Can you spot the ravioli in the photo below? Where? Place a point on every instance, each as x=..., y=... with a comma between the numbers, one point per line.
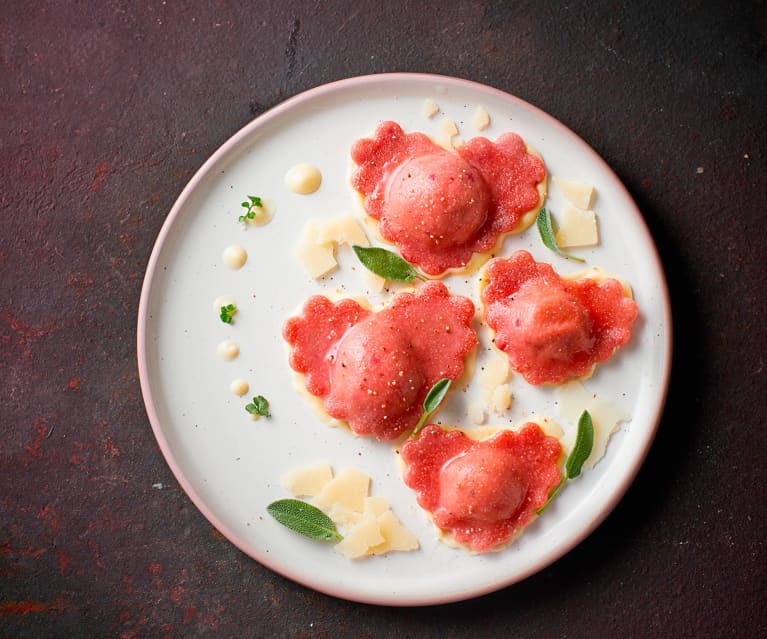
x=374, y=369
x=482, y=493
x=554, y=329
x=440, y=207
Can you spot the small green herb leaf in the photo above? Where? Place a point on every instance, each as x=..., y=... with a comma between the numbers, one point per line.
x=259, y=406
x=543, y=222
x=254, y=202
x=584, y=443
x=386, y=264
x=433, y=398
x=304, y=519
x=553, y=494
x=227, y=313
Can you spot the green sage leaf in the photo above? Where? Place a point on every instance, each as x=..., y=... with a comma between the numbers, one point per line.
x=543, y=221
x=553, y=494
x=433, y=399
x=304, y=519
x=584, y=443
x=386, y=264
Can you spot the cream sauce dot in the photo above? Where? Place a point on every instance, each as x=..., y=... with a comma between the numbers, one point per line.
x=303, y=178
x=263, y=215
x=234, y=256
x=239, y=387
x=228, y=350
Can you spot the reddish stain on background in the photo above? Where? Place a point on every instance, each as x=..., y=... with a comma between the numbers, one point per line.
x=99, y=176
x=33, y=447
x=28, y=606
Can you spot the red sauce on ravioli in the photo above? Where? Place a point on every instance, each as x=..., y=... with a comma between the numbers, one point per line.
x=438, y=206
x=373, y=370
x=482, y=492
x=554, y=329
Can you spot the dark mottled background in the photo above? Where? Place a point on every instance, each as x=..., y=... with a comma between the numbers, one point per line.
x=107, y=109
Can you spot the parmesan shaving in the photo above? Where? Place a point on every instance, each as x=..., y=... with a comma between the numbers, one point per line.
x=316, y=258
x=480, y=119
x=430, y=108
x=492, y=379
x=368, y=525
x=316, y=250
x=308, y=481
x=448, y=128
x=349, y=489
x=579, y=194
x=578, y=228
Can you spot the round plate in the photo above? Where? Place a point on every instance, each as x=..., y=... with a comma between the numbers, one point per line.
x=230, y=466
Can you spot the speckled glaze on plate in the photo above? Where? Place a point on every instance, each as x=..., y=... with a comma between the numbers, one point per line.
x=230, y=466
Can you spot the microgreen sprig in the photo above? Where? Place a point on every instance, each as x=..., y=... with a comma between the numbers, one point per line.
x=227, y=313
x=259, y=406
x=253, y=202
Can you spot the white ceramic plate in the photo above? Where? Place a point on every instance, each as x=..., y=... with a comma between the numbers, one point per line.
x=230, y=466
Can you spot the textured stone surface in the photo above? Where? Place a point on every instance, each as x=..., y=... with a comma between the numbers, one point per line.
x=107, y=110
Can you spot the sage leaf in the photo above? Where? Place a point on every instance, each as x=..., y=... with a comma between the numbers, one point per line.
x=433, y=398
x=304, y=519
x=543, y=221
x=386, y=264
x=553, y=494
x=584, y=443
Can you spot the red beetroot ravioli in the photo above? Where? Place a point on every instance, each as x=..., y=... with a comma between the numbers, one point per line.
x=554, y=329
x=373, y=370
x=482, y=492
x=440, y=206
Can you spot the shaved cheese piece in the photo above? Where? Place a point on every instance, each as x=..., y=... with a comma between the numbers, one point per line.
x=396, y=536
x=492, y=380
x=367, y=524
x=430, y=108
x=476, y=412
x=501, y=401
x=349, y=488
x=495, y=372
x=359, y=539
x=447, y=128
x=372, y=281
x=375, y=506
x=343, y=516
x=343, y=230
x=578, y=228
x=481, y=118
x=577, y=193
x=573, y=399
x=316, y=258
x=308, y=481
x=317, y=245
